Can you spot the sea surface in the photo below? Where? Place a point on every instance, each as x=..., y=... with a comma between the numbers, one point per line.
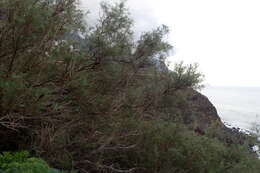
x=236, y=106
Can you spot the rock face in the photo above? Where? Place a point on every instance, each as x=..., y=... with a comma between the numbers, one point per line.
x=199, y=111
x=201, y=115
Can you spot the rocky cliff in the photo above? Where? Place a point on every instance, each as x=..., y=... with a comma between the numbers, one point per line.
x=202, y=116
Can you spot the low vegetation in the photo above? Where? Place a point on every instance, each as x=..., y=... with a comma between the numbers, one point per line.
x=96, y=98
x=22, y=163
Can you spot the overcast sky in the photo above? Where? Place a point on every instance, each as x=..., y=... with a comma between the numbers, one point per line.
x=223, y=36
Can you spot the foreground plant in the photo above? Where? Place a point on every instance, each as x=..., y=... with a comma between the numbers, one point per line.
x=21, y=162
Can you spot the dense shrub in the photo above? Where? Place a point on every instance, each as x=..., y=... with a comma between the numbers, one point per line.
x=30, y=68
x=159, y=146
x=21, y=163
x=173, y=148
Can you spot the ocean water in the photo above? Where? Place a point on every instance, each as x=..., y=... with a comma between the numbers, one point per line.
x=236, y=106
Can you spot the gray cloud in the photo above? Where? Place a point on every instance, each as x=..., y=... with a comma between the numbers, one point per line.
x=141, y=12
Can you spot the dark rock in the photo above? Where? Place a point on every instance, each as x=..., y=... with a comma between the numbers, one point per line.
x=202, y=116
x=199, y=111
x=3, y=14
